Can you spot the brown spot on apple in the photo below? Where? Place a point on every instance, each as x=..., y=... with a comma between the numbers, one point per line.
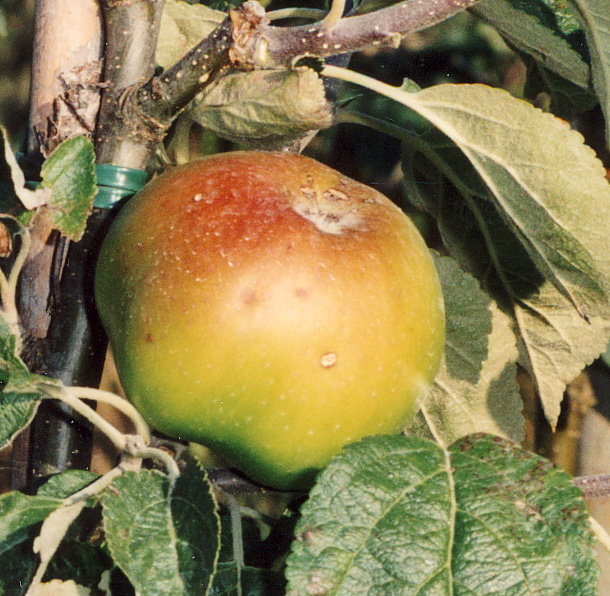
x=250, y=298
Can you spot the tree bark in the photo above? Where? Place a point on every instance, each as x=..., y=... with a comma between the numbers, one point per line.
x=67, y=48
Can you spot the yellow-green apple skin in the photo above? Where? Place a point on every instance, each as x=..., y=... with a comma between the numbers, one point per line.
x=268, y=307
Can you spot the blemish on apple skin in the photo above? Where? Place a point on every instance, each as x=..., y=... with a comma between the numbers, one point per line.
x=328, y=360
x=250, y=298
x=308, y=193
x=332, y=194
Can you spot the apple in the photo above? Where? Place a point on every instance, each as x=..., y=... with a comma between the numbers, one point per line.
x=270, y=308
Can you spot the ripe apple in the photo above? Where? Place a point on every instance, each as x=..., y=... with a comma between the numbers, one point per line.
x=270, y=308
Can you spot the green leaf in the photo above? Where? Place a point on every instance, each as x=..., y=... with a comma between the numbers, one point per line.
x=548, y=184
x=267, y=107
x=476, y=387
x=379, y=518
x=400, y=515
x=366, y=6
x=595, y=18
x=554, y=342
x=183, y=26
x=16, y=411
x=564, y=16
x=63, y=485
x=79, y=561
x=19, y=512
x=527, y=33
x=166, y=542
x=19, y=398
x=526, y=516
x=531, y=222
x=249, y=581
x=9, y=358
x=70, y=174
x=17, y=566
x=554, y=14
x=564, y=99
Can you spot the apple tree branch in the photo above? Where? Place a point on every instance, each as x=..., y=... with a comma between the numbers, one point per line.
x=246, y=40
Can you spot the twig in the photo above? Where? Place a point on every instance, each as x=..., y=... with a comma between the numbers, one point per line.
x=381, y=27
x=156, y=103
x=131, y=39
x=594, y=487
x=247, y=40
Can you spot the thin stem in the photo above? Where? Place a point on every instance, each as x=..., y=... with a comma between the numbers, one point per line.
x=131, y=445
x=315, y=14
x=335, y=13
x=24, y=251
x=236, y=533
x=345, y=74
x=8, y=287
x=594, y=486
x=432, y=427
x=117, y=402
x=97, y=486
x=65, y=396
x=173, y=471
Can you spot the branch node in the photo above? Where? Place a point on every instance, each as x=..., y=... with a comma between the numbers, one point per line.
x=247, y=21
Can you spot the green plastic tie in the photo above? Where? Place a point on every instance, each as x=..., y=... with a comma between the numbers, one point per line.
x=116, y=183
